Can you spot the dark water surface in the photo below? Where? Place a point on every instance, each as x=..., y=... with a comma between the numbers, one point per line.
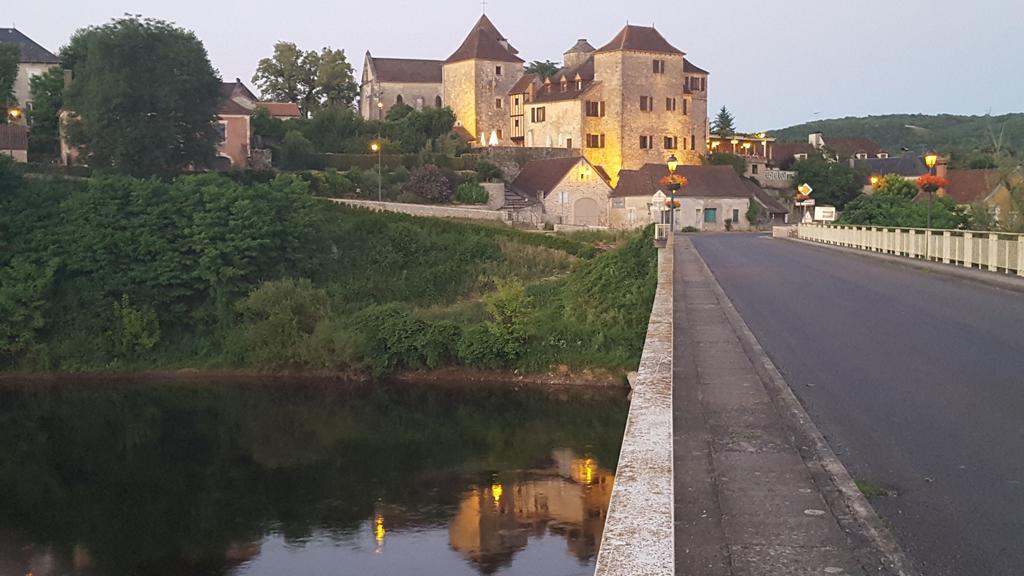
x=182, y=479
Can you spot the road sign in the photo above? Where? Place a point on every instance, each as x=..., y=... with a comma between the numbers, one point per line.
x=825, y=214
x=805, y=189
x=805, y=202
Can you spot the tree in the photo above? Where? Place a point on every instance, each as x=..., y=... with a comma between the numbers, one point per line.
x=309, y=79
x=9, y=57
x=545, y=69
x=724, y=124
x=144, y=97
x=47, y=91
x=753, y=212
x=726, y=159
x=297, y=152
x=834, y=183
x=903, y=212
x=429, y=183
x=896, y=185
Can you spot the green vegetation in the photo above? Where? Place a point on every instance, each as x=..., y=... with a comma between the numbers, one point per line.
x=9, y=57
x=205, y=271
x=834, y=183
x=946, y=133
x=144, y=97
x=724, y=123
x=47, y=91
x=726, y=159
x=870, y=490
x=309, y=79
x=892, y=204
x=543, y=69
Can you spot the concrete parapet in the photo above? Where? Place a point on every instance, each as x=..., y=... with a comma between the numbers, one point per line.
x=639, y=534
x=428, y=210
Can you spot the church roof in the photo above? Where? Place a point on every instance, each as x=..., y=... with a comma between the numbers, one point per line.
x=691, y=68
x=581, y=47
x=407, y=70
x=640, y=39
x=484, y=43
x=31, y=53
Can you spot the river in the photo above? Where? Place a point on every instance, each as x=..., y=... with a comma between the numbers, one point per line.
x=269, y=479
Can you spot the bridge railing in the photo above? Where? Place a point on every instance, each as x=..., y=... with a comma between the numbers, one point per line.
x=993, y=251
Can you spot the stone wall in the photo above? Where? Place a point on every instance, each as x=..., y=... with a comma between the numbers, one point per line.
x=561, y=127
x=631, y=212
x=426, y=210
x=419, y=95
x=639, y=530
x=459, y=90
x=511, y=159
x=687, y=214
x=491, y=88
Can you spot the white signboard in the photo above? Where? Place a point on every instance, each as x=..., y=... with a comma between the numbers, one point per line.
x=805, y=202
x=825, y=214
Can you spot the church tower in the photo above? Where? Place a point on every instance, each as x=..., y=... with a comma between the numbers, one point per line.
x=477, y=78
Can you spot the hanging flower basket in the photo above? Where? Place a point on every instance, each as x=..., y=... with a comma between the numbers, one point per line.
x=673, y=204
x=930, y=183
x=674, y=182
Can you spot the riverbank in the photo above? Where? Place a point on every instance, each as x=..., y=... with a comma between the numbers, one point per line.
x=561, y=379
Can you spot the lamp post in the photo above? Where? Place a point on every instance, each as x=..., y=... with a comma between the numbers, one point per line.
x=379, y=150
x=673, y=163
x=930, y=160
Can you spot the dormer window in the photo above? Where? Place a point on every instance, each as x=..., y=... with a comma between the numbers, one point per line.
x=579, y=84
x=883, y=155
x=565, y=85
x=862, y=156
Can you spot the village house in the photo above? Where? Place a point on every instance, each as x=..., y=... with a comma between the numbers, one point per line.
x=992, y=188
x=828, y=147
x=33, y=61
x=234, y=126
x=713, y=195
x=569, y=191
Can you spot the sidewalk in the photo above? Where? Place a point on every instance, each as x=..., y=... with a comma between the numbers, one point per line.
x=747, y=501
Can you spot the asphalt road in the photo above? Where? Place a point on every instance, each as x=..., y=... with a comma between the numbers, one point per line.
x=915, y=378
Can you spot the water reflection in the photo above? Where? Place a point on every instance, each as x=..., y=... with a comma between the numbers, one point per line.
x=253, y=481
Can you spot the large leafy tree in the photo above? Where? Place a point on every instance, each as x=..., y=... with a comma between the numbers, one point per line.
x=144, y=97
x=309, y=79
x=724, y=124
x=9, y=56
x=834, y=183
x=47, y=91
x=544, y=69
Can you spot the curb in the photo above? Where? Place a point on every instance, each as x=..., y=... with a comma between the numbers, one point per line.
x=975, y=275
x=852, y=510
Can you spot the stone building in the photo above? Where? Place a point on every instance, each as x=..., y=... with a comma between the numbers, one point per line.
x=569, y=191
x=632, y=102
x=391, y=81
x=234, y=124
x=33, y=60
x=477, y=78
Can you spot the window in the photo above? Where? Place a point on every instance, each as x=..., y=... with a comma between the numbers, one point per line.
x=686, y=84
x=516, y=101
x=686, y=108
x=399, y=100
x=862, y=156
x=646, y=103
x=222, y=131
x=517, y=122
x=499, y=134
x=693, y=142
x=735, y=216
x=497, y=70
x=568, y=143
x=703, y=84
x=659, y=66
x=497, y=103
x=670, y=104
x=595, y=109
x=883, y=155
x=710, y=215
x=437, y=102
x=538, y=114
x=595, y=140
x=565, y=85
x=646, y=142
x=753, y=168
x=800, y=156
x=671, y=142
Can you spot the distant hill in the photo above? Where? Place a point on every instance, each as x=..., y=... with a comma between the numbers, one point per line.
x=944, y=133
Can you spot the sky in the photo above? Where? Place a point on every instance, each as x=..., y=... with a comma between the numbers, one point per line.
x=774, y=63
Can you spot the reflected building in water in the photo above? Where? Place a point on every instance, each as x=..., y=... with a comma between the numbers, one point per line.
x=570, y=499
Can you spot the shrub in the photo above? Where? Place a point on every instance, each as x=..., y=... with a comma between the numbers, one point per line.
x=136, y=331
x=279, y=320
x=480, y=348
x=510, y=309
x=297, y=152
x=471, y=192
x=728, y=224
x=488, y=172
x=396, y=339
x=429, y=183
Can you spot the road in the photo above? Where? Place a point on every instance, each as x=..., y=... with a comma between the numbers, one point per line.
x=915, y=378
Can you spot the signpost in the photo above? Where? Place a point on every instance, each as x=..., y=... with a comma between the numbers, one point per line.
x=803, y=199
x=825, y=214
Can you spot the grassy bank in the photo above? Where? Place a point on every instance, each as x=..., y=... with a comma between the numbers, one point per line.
x=204, y=272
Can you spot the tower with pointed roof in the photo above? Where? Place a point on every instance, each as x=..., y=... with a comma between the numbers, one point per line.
x=477, y=78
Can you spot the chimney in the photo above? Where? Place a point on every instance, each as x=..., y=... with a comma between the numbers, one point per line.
x=942, y=168
x=68, y=76
x=817, y=140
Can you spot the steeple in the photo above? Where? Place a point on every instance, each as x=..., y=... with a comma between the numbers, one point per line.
x=485, y=42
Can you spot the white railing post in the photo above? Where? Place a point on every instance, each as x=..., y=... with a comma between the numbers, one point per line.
x=968, y=250
x=1020, y=255
x=993, y=252
x=947, y=239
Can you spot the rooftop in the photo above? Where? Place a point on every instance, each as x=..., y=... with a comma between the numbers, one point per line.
x=31, y=53
x=543, y=175
x=13, y=137
x=704, y=182
x=406, y=70
x=485, y=43
x=640, y=39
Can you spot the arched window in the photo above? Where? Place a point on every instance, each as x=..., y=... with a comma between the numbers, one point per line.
x=437, y=102
x=399, y=100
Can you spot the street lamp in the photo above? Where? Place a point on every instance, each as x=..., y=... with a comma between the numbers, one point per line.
x=673, y=163
x=14, y=113
x=378, y=150
x=930, y=160
x=874, y=181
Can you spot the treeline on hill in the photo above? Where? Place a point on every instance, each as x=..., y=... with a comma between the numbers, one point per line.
x=203, y=271
x=967, y=138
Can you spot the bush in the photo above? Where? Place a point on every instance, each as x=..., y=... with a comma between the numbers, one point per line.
x=482, y=349
x=136, y=331
x=396, y=339
x=298, y=153
x=471, y=192
x=429, y=183
x=488, y=172
x=279, y=320
x=510, y=309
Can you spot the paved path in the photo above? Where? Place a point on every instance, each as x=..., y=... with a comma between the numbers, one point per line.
x=746, y=504
x=916, y=379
